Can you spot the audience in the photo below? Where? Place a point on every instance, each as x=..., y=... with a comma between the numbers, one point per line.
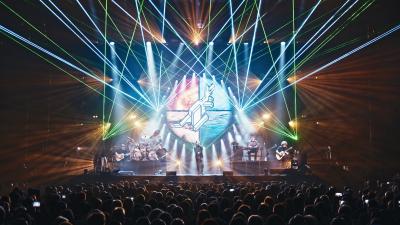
x=145, y=203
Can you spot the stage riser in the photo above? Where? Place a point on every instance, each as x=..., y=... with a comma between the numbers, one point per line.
x=245, y=168
x=141, y=168
x=249, y=168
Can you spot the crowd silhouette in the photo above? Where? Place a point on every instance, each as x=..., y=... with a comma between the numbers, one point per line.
x=240, y=203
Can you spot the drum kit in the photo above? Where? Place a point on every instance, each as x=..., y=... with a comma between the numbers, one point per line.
x=144, y=150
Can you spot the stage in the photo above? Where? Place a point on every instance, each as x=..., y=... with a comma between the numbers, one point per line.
x=235, y=168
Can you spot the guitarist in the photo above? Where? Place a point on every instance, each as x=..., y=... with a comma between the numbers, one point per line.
x=282, y=150
x=198, y=150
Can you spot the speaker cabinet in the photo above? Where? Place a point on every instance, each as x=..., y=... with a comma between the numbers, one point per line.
x=227, y=173
x=170, y=173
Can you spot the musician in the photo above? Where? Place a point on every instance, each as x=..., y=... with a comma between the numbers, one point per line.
x=252, y=148
x=282, y=153
x=237, y=151
x=162, y=154
x=283, y=147
x=199, y=157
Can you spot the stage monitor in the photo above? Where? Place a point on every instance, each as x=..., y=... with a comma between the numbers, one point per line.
x=227, y=173
x=170, y=173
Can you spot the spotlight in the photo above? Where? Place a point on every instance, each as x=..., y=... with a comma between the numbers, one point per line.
x=178, y=162
x=218, y=163
x=148, y=43
x=291, y=79
x=246, y=43
x=266, y=116
x=317, y=123
x=261, y=123
x=132, y=116
x=137, y=124
x=196, y=38
x=112, y=43
x=283, y=43
x=78, y=148
x=200, y=25
x=269, y=41
x=232, y=40
x=292, y=123
x=163, y=41
x=212, y=43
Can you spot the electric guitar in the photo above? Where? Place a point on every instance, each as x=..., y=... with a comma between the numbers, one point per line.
x=279, y=155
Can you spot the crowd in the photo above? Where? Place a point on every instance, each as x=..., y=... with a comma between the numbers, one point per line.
x=147, y=203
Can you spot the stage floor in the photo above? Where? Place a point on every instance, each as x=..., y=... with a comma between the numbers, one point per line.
x=238, y=168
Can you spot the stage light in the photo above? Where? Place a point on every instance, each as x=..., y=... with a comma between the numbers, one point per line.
x=291, y=79
x=178, y=162
x=218, y=163
x=292, y=123
x=266, y=116
x=132, y=116
x=163, y=41
x=212, y=43
x=261, y=123
x=246, y=43
x=78, y=148
x=269, y=41
x=112, y=43
x=196, y=38
x=232, y=40
x=200, y=25
x=283, y=43
x=141, y=82
x=317, y=123
x=148, y=43
x=137, y=124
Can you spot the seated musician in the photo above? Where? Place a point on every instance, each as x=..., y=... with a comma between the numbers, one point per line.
x=282, y=151
x=252, y=148
x=283, y=147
